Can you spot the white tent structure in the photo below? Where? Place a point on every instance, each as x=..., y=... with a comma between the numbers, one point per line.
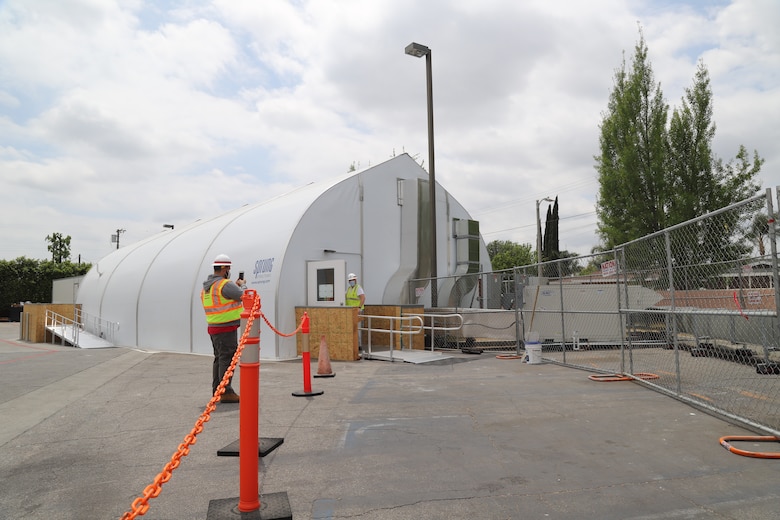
x=295, y=250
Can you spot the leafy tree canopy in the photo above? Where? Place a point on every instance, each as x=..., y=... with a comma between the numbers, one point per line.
x=505, y=254
x=652, y=176
x=25, y=279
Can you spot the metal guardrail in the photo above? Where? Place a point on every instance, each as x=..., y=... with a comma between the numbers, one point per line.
x=446, y=327
x=407, y=326
x=97, y=326
x=70, y=329
x=410, y=325
x=66, y=328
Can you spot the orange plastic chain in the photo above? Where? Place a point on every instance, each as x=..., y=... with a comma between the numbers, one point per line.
x=140, y=505
x=278, y=333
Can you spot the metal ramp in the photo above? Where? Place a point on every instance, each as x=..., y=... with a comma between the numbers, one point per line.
x=73, y=332
x=405, y=355
x=403, y=326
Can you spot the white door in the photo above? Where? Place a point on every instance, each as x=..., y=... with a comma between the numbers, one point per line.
x=326, y=283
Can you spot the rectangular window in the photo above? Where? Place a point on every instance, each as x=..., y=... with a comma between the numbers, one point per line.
x=325, y=285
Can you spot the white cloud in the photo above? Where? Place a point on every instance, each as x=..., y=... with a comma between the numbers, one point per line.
x=135, y=114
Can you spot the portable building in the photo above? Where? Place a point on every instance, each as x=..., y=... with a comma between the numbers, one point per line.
x=295, y=250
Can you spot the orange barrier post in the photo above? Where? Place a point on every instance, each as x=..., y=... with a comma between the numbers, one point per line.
x=307, y=391
x=248, y=462
x=323, y=360
x=275, y=506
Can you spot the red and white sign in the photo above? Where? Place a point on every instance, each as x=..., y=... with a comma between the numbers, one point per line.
x=609, y=268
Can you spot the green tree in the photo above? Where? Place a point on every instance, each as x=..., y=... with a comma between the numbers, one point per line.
x=759, y=229
x=550, y=244
x=699, y=181
x=566, y=264
x=505, y=254
x=652, y=178
x=631, y=166
x=25, y=279
x=702, y=183
x=59, y=247
x=599, y=255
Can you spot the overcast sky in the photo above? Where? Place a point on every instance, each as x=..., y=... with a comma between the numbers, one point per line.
x=134, y=114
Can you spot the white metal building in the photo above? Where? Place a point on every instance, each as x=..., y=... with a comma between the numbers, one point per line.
x=295, y=250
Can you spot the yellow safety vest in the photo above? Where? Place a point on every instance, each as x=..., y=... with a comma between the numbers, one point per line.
x=219, y=310
x=353, y=299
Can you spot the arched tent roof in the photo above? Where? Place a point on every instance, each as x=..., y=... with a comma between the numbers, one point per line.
x=152, y=288
x=158, y=280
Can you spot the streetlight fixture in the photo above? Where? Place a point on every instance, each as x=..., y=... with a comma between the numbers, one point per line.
x=539, y=239
x=418, y=51
x=167, y=226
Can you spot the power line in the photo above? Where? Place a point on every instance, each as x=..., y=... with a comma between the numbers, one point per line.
x=580, y=215
x=532, y=199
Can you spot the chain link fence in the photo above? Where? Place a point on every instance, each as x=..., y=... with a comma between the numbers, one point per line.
x=690, y=311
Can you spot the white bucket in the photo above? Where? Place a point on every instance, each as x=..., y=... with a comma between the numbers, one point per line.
x=534, y=352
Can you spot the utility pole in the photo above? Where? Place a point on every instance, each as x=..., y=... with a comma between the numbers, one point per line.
x=115, y=238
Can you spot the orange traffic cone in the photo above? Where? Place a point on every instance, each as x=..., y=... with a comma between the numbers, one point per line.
x=323, y=360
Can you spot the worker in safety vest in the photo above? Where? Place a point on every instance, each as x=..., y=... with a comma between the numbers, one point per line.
x=221, y=300
x=355, y=297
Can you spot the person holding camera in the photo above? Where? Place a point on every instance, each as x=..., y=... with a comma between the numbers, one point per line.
x=221, y=300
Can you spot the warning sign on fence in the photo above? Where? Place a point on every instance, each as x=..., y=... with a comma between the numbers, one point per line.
x=609, y=268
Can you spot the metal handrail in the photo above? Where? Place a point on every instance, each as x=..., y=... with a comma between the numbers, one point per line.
x=433, y=328
x=81, y=321
x=96, y=325
x=408, y=326
x=54, y=321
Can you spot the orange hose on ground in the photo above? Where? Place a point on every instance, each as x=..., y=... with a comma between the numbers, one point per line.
x=607, y=378
x=751, y=438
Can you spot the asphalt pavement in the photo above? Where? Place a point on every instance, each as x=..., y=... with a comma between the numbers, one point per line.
x=84, y=432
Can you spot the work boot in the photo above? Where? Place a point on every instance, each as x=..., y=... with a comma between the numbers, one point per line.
x=229, y=397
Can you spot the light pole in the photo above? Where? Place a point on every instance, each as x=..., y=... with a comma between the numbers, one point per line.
x=418, y=51
x=539, y=239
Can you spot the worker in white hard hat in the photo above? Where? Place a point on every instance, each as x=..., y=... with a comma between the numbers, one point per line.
x=355, y=297
x=221, y=300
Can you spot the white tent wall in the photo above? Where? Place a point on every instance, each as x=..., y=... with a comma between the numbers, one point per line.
x=357, y=220
x=152, y=288
x=257, y=244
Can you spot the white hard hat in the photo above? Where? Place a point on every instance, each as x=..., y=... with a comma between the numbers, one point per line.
x=222, y=260
x=352, y=276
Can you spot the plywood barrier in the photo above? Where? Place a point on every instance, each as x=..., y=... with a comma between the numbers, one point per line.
x=339, y=325
x=34, y=319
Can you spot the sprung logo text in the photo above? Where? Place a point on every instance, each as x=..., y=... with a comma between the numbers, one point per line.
x=265, y=265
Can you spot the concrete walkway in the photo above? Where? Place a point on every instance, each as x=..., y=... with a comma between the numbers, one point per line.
x=83, y=432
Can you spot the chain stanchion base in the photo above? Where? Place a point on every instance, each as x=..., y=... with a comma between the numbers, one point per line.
x=273, y=506
x=265, y=446
x=308, y=394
